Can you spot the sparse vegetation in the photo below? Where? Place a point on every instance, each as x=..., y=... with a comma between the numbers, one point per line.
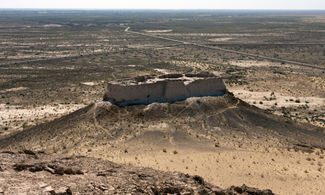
x=68, y=67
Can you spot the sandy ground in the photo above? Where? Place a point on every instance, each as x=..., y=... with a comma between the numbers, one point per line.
x=14, y=89
x=265, y=163
x=227, y=34
x=52, y=25
x=283, y=171
x=278, y=100
x=16, y=118
x=221, y=39
x=256, y=63
x=164, y=71
x=139, y=46
x=301, y=105
x=91, y=83
x=158, y=31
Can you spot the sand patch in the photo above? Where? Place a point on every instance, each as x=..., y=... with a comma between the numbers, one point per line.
x=17, y=118
x=14, y=89
x=221, y=39
x=164, y=71
x=159, y=126
x=277, y=99
x=315, y=19
x=89, y=83
x=52, y=26
x=158, y=31
x=255, y=63
x=139, y=46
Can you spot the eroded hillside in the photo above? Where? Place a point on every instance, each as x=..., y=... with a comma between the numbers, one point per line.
x=207, y=136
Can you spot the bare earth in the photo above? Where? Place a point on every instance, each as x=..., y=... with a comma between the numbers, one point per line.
x=53, y=72
x=27, y=172
x=198, y=136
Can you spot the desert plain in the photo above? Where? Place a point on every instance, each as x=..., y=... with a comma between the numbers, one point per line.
x=268, y=132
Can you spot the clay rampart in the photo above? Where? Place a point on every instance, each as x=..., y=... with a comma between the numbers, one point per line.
x=164, y=88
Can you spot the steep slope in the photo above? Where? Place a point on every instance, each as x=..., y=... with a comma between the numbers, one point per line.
x=182, y=123
x=222, y=139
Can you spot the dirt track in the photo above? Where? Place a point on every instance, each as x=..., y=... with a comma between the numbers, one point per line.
x=231, y=51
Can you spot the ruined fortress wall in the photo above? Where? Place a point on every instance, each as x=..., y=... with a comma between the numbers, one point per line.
x=167, y=90
x=135, y=93
x=175, y=91
x=206, y=87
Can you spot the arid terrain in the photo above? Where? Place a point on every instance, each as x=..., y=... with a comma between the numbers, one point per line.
x=26, y=172
x=268, y=132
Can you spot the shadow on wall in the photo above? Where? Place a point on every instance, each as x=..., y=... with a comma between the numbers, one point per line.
x=165, y=88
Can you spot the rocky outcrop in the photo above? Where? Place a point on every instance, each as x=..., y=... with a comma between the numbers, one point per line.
x=164, y=88
x=96, y=176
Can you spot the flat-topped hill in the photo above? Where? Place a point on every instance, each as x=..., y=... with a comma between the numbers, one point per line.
x=165, y=88
x=222, y=138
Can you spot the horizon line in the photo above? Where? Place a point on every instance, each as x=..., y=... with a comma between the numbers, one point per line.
x=171, y=9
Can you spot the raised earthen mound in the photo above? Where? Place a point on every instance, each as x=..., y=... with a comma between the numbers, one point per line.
x=183, y=131
x=34, y=173
x=184, y=122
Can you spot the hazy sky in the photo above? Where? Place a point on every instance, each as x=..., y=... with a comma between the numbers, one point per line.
x=166, y=4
